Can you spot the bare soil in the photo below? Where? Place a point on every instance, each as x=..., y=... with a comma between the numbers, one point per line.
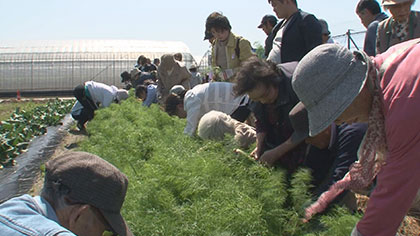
x=409, y=227
x=70, y=141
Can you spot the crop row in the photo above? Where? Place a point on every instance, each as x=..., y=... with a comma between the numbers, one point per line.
x=23, y=126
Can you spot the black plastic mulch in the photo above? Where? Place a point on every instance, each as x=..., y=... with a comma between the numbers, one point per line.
x=19, y=179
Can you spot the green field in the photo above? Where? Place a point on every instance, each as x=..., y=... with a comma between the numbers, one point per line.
x=186, y=186
x=24, y=121
x=7, y=108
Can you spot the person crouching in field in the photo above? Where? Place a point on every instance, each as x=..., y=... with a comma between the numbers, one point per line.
x=82, y=195
x=194, y=103
x=336, y=85
x=330, y=153
x=215, y=125
x=269, y=87
x=170, y=73
x=92, y=95
x=147, y=93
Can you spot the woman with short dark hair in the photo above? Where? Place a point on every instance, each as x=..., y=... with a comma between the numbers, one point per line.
x=269, y=87
x=229, y=50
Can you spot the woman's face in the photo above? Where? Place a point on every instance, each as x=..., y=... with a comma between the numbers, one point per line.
x=401, y=11
x=221, y=34
x=265, y=94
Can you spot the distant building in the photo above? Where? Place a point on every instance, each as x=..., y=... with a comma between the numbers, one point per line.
x=62, y=65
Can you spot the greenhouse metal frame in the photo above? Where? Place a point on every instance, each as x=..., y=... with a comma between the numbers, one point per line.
x=59, y=66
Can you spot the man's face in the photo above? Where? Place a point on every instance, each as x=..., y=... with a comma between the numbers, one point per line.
x=220, y=34
x=266, y=27
x=279, y=7
x=86, y=220
x=366, y=17
x=401, y=12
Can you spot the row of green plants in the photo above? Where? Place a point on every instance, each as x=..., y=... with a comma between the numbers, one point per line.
x=23, y=125
x=180, y=185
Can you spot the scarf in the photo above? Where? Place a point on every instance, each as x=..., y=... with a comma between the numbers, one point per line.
x=371, y=153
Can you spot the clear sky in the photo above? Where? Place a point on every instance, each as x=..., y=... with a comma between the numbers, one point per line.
x=182, y=20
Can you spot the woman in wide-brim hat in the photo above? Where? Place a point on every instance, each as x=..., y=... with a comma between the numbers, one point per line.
x=403, y=25
x=338, y=86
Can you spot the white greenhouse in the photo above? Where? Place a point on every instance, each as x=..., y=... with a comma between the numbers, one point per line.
x=59, y=66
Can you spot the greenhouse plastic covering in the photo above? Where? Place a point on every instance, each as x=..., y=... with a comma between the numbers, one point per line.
x=62, y=65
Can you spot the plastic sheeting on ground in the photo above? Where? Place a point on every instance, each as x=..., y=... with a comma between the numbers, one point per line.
x=19, y=179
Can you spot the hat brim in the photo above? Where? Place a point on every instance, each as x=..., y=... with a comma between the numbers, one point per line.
x=261, y=25
x=391, y=3
x=117, y=222
x=327, y=110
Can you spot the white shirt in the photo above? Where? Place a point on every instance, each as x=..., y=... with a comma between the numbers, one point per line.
x=102, y=93
x=206, y=97
x=275, y=53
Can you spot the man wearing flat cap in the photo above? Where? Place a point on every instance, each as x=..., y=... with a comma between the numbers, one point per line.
x=270, y=28
x=403, y=25
x=82, y=195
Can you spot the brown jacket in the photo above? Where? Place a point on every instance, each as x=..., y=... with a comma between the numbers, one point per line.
x=385, y=37
x=170, y=73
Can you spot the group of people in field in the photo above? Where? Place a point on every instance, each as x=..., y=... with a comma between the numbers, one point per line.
x=350, y=117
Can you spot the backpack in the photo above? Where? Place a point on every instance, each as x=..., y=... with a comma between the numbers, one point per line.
x=237, y=50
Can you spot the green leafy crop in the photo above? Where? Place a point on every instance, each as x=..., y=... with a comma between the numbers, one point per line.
x=186, y=186
x=23, y=126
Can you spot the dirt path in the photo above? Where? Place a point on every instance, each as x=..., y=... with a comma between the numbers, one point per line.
x=70, y=141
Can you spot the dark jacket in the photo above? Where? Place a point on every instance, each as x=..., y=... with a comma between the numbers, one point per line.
x=273, y=119
x=302, y=34
x=270, y=38
x=329, y=165
x=370, y=38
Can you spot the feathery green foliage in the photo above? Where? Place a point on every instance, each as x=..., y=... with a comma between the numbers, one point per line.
x=186, y=186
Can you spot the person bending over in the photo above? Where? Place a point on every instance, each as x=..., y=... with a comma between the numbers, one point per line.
x=82, y=195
